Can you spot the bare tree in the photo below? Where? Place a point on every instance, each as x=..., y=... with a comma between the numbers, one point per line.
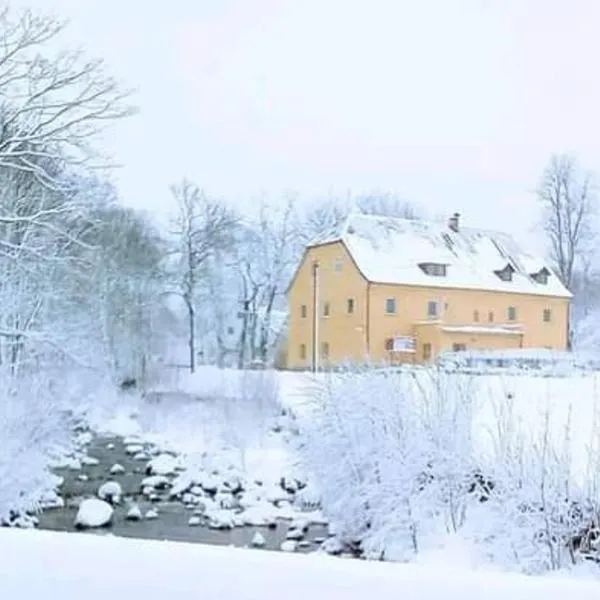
x=387, y=205
x=202, y=228
x=52, y=104
x=268, y=252
x=569, y=201
x=568, y=197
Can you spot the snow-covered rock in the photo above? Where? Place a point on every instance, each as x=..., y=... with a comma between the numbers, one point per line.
x=132, y=440
x=260, y=515
x=134, y=513
x=82, y=477
x=93, y=513
x=117, y=469
x=157, y=482
x=89, y=461
x=289, y=546
x=196, y=490
x=133, y=449
x=221, y=519
x=110, y=446
x=332, y=546
x=163, y=464
x=190, y=499
x=209, y=483
x=258, y=540
x=227, y=501
x=72, y=463
x=111, y=491
x=181, y=484
x=51, y=499
x=140, y=456
x=195, y=521
x=151, y=514
x=294, y=534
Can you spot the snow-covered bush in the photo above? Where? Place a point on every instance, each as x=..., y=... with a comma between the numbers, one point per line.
x=34, y=425
x=407, y=460
x=393, y=456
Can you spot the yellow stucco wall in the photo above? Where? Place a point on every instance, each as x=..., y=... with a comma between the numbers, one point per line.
x=343, y=332
x=354, y=336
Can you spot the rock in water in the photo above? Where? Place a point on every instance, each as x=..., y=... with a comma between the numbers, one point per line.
x=117, y=469
x=151, y=515
x=93, y=513
x=289, y=546
x=258, y=541
x=89, y=461
x=134, y=513
x=110, y=491
x=163, y=464
x=195, y=521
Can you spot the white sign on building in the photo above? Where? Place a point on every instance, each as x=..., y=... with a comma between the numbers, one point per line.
x=404, y=344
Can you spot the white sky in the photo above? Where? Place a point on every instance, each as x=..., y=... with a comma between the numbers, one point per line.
x=453, y=104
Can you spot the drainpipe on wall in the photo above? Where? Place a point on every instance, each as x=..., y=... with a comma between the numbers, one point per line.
x=315, y=324
x=368, y=321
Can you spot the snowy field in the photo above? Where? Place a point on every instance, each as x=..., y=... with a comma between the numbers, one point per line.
x=72, y=567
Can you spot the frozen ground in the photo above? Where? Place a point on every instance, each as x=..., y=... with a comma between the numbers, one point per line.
x=71, y=567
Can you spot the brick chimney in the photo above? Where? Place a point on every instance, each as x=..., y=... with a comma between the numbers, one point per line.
x=453, y=222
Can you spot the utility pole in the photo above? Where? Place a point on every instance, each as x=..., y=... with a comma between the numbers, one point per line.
x=315, y=324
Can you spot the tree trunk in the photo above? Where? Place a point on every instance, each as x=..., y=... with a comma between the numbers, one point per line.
x=192, y=333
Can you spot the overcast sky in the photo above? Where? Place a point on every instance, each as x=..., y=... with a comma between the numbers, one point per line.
x=453, y=104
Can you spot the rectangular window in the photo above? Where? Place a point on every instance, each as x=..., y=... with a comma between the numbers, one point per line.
x=476, y=316
x=432, y=308
x=325, y=350
x=389, y=344
x=459, y=347
x=512, y=313
x=491, y=316
x=547, y=315
x=303, y=311
x=390, y=306
x=426, y=351
x=338, y=265
x=326, y=309
x=302, y=351
x=350, y=306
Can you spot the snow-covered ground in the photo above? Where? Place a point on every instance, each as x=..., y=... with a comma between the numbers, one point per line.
x=72, y=567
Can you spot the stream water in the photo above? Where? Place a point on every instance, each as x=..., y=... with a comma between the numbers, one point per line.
x=172, y=522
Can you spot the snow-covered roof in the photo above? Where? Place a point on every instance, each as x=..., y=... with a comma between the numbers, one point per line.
x=389, y=250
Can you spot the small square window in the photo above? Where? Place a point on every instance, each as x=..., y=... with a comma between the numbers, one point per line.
x=325, y=350
x=326, y=309
x=426, y=351
x=389, y=344
x=491, y=316
x=432, y=308
x=512, y=313
x=390, y=306
x=303, y=311
x=350, y=305
x=547, y=315
x=476, y=316
x=302, y=351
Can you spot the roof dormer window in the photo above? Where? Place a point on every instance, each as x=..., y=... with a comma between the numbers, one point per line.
x=506, y=274
x=541, y=276
x=434, y=269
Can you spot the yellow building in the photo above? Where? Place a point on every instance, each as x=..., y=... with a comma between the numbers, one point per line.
x=387, y=289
